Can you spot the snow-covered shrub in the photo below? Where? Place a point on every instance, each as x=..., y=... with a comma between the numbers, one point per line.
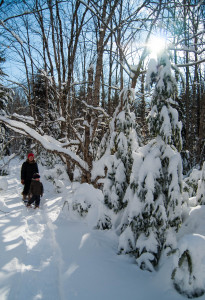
x=190, y=184
x=58, y=176
x=105, y=220
x=189, y=266
x=86, y=202
x=200, y=195
x=80, y=200
x=81, y=207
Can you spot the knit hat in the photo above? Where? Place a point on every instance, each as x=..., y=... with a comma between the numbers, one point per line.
x=36, y=175
x=30, y=154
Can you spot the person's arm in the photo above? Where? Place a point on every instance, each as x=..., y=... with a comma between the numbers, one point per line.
x=23, y=173
x=42, y=190
x=37, y=168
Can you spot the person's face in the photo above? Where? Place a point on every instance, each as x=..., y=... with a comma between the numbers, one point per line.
x=30, y=158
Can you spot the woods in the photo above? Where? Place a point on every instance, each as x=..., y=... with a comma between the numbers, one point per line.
x=115, y=91
x=73, y=58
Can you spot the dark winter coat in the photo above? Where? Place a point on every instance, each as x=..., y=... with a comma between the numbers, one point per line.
x=36, y=188
x=28, y=169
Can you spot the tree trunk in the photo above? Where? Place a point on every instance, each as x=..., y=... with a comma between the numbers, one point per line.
x=202, y=131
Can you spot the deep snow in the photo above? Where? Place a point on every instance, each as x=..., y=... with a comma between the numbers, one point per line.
x=52, y=254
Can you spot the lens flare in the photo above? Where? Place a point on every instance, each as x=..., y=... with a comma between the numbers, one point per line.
x=156, y=45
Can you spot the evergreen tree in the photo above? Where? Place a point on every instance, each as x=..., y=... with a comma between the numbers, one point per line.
x=163, y=118
x=121, y=144
x=154, y=210
x=44, y=104
x=164, y=124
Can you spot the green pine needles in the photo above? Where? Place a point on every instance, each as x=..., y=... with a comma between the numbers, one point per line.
x=153, y=213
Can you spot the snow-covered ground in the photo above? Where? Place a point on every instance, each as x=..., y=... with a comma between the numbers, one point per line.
x=51, y=254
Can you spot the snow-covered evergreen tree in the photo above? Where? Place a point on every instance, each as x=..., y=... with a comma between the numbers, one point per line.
x=163, y=118
x=164, y=124
x=154, y=210
x=45, y=109
x=200, y=196
x=121, y=144
x=188, y=272
x=144, y=220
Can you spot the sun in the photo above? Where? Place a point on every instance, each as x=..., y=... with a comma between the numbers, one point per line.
x=156, y=44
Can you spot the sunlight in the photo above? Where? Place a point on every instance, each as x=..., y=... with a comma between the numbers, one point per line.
x=84, y=238
x=73, y=267
x=156, y=44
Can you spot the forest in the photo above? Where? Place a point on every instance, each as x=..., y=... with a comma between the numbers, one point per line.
x=64, y=63
x=115, y=91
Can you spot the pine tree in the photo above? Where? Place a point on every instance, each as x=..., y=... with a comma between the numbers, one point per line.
x=44, y=104
x=144, y=222
x=164, y=124
x=163, y=118
x=154, y=211
x=121, y=144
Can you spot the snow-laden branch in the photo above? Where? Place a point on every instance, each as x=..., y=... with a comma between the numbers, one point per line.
x=192, y=64
x=47, y=142
x=191, y=37
x=175, y=68
x=185, y=49
x=17, y=37
x=20, y=85
x=96, y=108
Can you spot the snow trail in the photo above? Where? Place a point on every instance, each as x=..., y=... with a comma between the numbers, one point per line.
x=25, y=233
x=53, y=254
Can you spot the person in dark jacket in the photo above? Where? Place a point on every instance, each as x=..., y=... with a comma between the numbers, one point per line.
x=28, y=169
x=36, y=190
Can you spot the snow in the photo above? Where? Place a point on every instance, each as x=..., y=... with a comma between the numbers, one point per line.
x=152, y=68
x=47, y=142
x=3, y=183
x=53, y=253
x=191, y=281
